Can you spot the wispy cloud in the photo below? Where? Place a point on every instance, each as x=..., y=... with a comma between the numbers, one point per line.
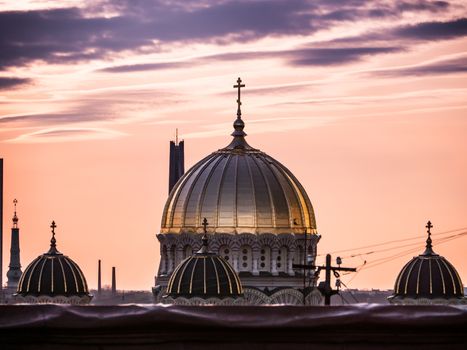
x=12, y=82
x=66, y=134
x=445, y=66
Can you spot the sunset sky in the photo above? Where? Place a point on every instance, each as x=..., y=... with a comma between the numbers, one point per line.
x=364, y=101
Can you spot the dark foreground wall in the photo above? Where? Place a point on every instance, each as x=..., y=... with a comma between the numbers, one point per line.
x=363, y=326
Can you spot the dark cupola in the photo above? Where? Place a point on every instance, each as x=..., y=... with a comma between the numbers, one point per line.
x=53, y=278
x=428, y=279
x=204, y=275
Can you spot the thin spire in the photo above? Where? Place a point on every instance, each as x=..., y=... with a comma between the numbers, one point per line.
x=176, y=136
x=15, y=218
x=53, y=246
x=429, y=246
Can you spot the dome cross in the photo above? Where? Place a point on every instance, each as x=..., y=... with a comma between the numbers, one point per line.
x=239, y=102
x=429, y=246
x=53, y=240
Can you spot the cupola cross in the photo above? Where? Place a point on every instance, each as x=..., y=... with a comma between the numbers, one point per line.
x=205, y=225
x=239, y=86
x=429, y=226
x=53, y=228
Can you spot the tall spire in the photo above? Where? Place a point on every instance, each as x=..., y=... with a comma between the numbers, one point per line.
x=15, y=218
x=53, y=246
x=14, y=268
x=429, y=246
x=239, y=135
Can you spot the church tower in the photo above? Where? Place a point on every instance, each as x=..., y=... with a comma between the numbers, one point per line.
x=14, y=271
x=177, y=161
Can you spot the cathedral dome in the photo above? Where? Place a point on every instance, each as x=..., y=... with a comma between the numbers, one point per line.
x=53, y=277
x=428, y=278
x=239, y=189
x=204, y=275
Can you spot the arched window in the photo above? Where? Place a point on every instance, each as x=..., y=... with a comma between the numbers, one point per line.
x=226, y=253
x=265, y=259
x=245, y=258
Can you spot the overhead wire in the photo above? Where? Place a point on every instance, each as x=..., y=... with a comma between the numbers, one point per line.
x=389, y=258
x=394, y=241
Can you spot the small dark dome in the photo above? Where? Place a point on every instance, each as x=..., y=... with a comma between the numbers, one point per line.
x=428, y=276
x=204, y=275
x=53, y=274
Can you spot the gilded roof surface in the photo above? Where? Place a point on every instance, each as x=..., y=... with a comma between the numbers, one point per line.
x=239, y=189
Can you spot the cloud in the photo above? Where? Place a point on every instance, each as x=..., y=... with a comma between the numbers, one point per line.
x=66, y=135
x=305, y=56
x=145, y=67
x=101, y=29
x=447, y=66
x=12, y=82
x=70, y=34
x=335, y=56
x=56, y=117
x=433, y=30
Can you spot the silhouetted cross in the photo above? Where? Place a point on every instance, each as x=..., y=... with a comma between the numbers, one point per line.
x=53, y=228
x=205, y=225
x=239, y=86
x=429, y=226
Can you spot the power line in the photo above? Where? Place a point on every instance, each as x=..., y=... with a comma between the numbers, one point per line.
x=394, y=241
x=386, y=259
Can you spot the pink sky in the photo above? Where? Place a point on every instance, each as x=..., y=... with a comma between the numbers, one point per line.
x=365, y=102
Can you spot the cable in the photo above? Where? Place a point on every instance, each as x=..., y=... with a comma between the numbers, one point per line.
x=394, y=241
x=439, y=241
x=350, y=292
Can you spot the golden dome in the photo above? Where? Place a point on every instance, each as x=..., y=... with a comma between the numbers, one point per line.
x=239, y=189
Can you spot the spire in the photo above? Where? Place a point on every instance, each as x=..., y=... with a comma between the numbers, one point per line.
x=204, y=247
x=15, y=218
x=239, y=135
x=14, y=268
x=53, y=247
x=429, y=246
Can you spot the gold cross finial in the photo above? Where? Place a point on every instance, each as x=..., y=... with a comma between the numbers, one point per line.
x=239, y=102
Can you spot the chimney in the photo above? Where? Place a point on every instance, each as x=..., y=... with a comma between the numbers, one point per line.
x=114, y=281
x=177, y=161
x=99, y=278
